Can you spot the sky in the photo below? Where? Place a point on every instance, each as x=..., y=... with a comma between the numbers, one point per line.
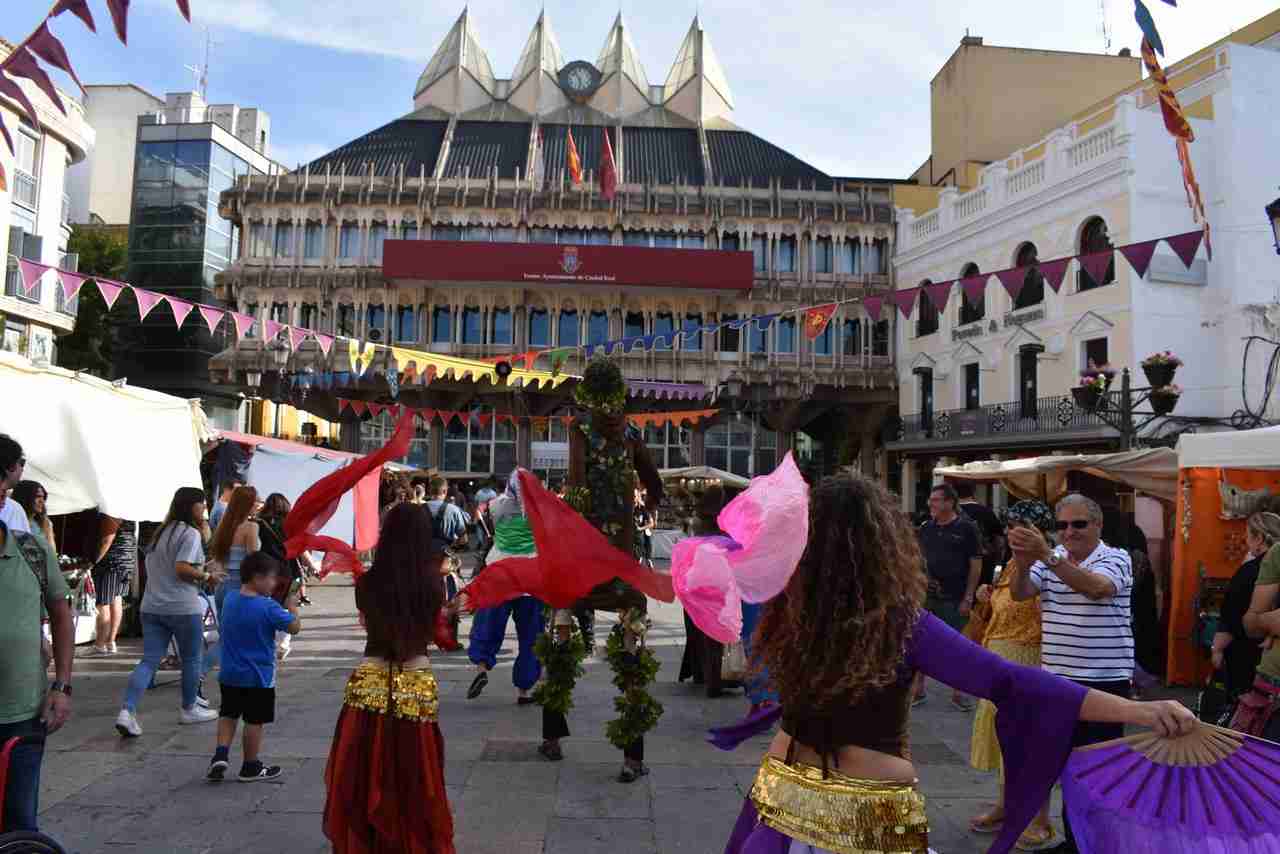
x=842, y=85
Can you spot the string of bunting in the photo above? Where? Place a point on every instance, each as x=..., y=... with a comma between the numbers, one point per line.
x=1138, y=255
x=446, y=416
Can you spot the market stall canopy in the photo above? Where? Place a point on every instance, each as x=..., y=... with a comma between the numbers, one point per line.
x=1234, y=449
x=92, y=443
x=1153, y=471
x=706, y=472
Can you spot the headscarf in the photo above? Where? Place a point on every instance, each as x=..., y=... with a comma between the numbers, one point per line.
x=1034, y=513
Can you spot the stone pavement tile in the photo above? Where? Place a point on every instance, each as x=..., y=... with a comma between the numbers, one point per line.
x=487, y=815
x=593, y=791
x=457, y=772
x=664, y=777
x=84, y=829
x=745, y=776
x=542, y=776
x=467, y=749
x=301, y=790
x=949, y=825
x=64, y=774
x=296, y=833
x=694, y=822
x=599, y=836
x=143, y=783
x=954, y=781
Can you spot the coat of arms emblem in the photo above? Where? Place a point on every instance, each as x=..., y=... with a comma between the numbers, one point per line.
x=569, y=261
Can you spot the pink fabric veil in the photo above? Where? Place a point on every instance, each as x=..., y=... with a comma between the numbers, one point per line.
x=768, y=529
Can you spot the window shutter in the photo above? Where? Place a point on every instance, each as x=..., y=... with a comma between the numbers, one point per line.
x=15, y=241
x=32, y=245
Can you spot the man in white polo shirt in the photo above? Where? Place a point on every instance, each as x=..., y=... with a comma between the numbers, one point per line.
x=1086, y=624
x=12, y=466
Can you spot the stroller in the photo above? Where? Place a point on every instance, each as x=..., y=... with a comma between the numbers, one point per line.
x=21, y=841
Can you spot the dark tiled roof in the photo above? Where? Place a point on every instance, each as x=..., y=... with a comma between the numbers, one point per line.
x=480, y=146
x=413, y=143
x=740, y=158
x=662, y=156
x=588, y=141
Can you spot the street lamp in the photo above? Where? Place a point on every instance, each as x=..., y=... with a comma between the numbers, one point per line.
x=1273, y=213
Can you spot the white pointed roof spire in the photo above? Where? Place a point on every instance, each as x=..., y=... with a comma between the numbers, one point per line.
x=696, y=86
x=619, y=55
x=533, y=84
x=458, y=55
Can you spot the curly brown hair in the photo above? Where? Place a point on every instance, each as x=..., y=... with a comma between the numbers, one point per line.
x=840, y=627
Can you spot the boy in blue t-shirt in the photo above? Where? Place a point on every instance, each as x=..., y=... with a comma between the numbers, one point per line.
x=247, y=627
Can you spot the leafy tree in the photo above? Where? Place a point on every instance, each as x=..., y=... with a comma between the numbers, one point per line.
x=89, y=347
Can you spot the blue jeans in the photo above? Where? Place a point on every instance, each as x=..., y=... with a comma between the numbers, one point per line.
x=489, y=627
x=757, y=685
x=22, y=788
x=157, y=631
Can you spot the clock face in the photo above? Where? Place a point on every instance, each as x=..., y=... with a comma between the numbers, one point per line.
x=579, y=79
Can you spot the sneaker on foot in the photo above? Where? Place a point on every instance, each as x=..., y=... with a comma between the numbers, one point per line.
x=217, y=770
x=260, y=773
x=96, y=652
x=114, y=649
x=920, y=701
x=198, y=715
x=202, y=702
x=127, y=724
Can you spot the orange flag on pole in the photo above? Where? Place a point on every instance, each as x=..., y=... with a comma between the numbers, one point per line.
x=816, y=320
x=572, y=160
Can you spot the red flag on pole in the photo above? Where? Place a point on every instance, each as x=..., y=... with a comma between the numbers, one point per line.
x=816, y=320
x=608, y=170
x=572, y=161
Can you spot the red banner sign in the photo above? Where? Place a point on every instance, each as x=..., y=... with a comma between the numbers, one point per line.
x=539, y=263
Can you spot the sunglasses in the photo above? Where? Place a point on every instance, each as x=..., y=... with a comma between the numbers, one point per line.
x=1078, y=524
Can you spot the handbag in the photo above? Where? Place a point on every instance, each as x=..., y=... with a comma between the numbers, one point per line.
x=733, y=665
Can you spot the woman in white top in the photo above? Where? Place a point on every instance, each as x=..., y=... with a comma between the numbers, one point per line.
x=173, y=608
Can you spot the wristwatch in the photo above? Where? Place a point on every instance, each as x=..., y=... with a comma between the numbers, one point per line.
x=64, y=687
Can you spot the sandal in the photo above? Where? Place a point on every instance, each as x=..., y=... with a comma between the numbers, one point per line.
x=988, y=822
x=1035, y=839
x=550, y=752
x=630, y=774
x=478, y=684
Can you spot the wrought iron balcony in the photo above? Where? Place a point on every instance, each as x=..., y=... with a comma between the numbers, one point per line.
x=1045, y=420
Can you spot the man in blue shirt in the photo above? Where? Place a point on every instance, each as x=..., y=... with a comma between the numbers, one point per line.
x=450, y=520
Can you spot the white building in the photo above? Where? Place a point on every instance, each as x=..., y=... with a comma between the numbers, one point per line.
x=35, y=212
x=993, y=378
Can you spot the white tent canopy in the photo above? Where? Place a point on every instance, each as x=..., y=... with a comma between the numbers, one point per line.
x=1153, y=471
x=124, y=450
x=1233, y=449
x=707, y=472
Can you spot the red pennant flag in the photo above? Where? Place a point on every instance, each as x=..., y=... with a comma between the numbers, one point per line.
x=975, y=288
x=325, y=342
x=1185, y=245
x=212, y=317
x=572, y=161
x=11, y=89
x=816, y=320
x=939, y=294
x=427, y=415
x=71, y=283
x=529, y=359
x=8, y=140
x=110, y=291
x=906, y=300
x=270, y=329
x=359, y=407
x=483, y=418
x=1096, y=264
x=120, y=17
x=394, y=411
x=184, y=7
x=1054, y=271
x=572, y=558
x=243, y=324
x=45, y=45
x=22, y=64
x=147, y=300
x=297, y=336
x=342, y=404
x=1013, y=280
x=180, y=308
x=608, y=170
x=1139, y=255
x=502, y=416
x=568, y=421
x=31, y=273
x=376, y=409
x=79, y=8
x=872, y=305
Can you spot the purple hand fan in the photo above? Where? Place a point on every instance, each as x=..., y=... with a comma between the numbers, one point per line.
x=1212, y=791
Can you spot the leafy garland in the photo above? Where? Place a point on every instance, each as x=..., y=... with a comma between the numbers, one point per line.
x=561, y=668
x=638, y=711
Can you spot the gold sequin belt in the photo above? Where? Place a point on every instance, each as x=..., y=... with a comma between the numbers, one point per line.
x=414, y=693
x=844, y=815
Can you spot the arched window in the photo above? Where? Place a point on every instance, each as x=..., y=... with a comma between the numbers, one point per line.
x=851, y=341
x=926, y=312
x=634, y=326
x=692, y=340
x=568, y=328
x=539, y=327
x=972, y=312
x=664, y=323
x=501, y=318
x=598, y=327
x=377, y=236
x=472, y=325
x=785, y=330
x=284, y=239
x=406, y=324
x=441, y=325
x=1094, y=238
x=1032, y=292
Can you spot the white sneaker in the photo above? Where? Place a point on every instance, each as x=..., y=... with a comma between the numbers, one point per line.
x=197, y=715
x=127, y=724
x=202, y=703
x=96, y=652
x=114, y=649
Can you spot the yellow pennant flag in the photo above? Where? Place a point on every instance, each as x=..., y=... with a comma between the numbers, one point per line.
x=360, y=362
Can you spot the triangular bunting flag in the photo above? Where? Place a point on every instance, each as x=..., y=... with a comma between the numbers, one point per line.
x=243, y=324
x=502, y=416
x=394, y=411
x=906, y=300
x=975, y=288
x=342, y=404
x=270, y=330
x=71, y=283
x=79, y=8
x=1096, y=264
x=45, y=45
x=181, y=308
x=568, y=420
x=872, y=305
x=1054, y=271
x=1185, y=245
x=939, y=294
x=147, y=300
x=427, y=415
x=816, y=320
x=31, y=273
x=483, y=418
x=212, y=317
x=376, y=409
x=297, y=336
x=110, y=291
x=1139, y=255
x=359, y=407
x=325, y=342
x=1013, y=280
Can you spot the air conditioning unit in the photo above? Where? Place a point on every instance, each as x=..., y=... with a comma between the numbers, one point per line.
x=375, y=334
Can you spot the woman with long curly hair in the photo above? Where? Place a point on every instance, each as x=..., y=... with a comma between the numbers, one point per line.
x=842, y=643
x=385, y=775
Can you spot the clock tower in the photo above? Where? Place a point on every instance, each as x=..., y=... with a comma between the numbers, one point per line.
x=579, y=80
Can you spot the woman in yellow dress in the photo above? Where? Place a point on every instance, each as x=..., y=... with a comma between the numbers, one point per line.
x=1012, y=631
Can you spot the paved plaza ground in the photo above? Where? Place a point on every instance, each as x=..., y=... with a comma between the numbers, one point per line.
x=103, y=794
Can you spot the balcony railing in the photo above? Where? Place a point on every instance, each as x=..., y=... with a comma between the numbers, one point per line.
x=1044, y=416
x=26, y=188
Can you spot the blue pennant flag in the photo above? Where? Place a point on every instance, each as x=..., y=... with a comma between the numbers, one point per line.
x=1148, y=26
x=393, y=382
x=738, y=324
x=764, y=321
x=342, y=378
